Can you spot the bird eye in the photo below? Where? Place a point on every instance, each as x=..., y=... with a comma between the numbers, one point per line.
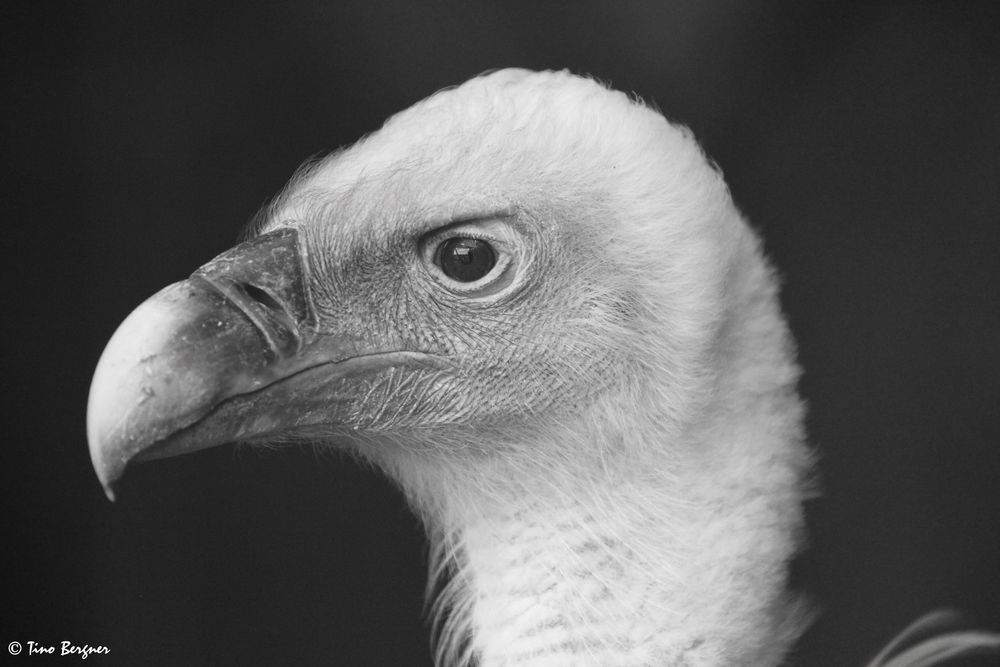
x=465, y=259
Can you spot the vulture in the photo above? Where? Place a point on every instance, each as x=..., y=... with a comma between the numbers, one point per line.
x=532, y=302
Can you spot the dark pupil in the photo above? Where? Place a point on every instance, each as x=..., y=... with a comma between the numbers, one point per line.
x=466, y=260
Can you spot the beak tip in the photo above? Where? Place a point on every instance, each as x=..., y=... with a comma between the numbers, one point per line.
x=109, y=491
x=121, y=417
x=102, y=457
x=108, y=468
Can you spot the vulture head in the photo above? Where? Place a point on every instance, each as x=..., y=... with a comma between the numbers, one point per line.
x=531, y=301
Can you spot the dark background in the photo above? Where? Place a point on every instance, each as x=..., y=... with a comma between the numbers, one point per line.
x=862, y=139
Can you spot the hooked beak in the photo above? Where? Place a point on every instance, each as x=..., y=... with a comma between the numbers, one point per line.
x=231, y=353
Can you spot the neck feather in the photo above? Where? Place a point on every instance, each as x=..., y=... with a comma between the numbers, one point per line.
x=682, y=563
x=657, y=571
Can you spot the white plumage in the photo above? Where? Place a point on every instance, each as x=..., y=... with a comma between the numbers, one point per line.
x=611, y=463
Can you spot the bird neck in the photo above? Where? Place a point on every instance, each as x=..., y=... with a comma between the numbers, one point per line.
x=679, y=559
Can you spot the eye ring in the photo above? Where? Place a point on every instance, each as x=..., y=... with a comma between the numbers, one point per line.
x=465, y=259
x=493, y=247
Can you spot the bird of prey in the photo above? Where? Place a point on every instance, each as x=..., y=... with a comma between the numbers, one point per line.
x=531, y=300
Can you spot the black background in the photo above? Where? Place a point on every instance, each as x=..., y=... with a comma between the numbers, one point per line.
x=862, y=139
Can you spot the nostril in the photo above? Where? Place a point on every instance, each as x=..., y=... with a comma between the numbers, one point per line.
x=261, y=297
x=275, y=308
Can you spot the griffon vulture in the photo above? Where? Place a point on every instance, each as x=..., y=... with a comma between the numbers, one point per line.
x=532, y=302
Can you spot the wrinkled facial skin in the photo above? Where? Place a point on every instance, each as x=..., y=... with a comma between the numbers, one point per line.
x=519, y=339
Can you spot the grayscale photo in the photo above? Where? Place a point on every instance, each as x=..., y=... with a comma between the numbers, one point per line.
x=496, y=334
